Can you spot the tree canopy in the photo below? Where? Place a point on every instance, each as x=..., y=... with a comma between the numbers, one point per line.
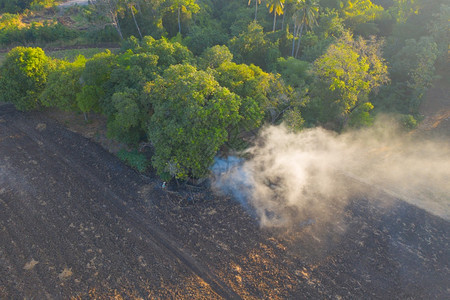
x=23, y=76
x=191, y=114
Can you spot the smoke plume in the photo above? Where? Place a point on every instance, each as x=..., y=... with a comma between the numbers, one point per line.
x=297, y=177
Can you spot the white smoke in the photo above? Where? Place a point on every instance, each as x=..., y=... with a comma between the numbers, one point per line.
x=299, y=177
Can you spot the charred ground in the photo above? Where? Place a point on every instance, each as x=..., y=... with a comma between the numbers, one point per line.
x=76, y=222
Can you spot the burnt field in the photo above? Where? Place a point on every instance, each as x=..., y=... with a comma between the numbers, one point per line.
x=76, y=222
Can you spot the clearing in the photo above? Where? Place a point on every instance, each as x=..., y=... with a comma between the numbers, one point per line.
x=76, y=222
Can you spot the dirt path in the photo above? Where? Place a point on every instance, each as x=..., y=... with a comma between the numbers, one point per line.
x=76, y=222
x=74, y=2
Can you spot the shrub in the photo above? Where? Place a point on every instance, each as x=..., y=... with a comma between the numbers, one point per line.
x=23, y=76
x=408, y=122
x=134, y=159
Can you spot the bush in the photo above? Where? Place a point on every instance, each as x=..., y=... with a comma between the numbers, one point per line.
x=408, y=122
x=23, y=76
x=134, y=159
x=37, y=33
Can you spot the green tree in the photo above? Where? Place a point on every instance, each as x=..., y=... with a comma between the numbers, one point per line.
x=358, y=12
x=295, y=72
x=23, y=76
x=439, y=27
x=305, y=15
x=14, y=6
x=111, y=9
x=126, y=124
x=256, y=6
x=275, y=6
x=413, y=67
x=88, y=99
x=191, y=114
x=132, y=6
x=94, y=77
x=186, y=6
x=252, y=85
x=361, y=117
x=168, y=53
x=252, y=46
x=349, y=70
x=213, y=57
x=63, y=85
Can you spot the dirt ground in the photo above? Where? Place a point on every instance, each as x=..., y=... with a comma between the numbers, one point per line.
x=75, y=222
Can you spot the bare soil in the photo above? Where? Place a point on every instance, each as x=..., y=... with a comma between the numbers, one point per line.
x=75, y=222
x=74, y=2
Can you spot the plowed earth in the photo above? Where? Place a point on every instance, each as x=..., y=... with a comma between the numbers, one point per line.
x=76, y=222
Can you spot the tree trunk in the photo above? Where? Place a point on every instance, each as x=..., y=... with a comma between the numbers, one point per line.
x=293, y=39
x=116, y=24
x=135, y=22
x=118, y=29
x=179, y=21
x=85, y=116
x=274, y=20
x=299, y=39
x=256, y=8
x=282, y=22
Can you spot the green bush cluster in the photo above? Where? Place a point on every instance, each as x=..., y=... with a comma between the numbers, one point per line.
x=134, y=159
x=151, y=91
x=204, y=75
x=36, y=34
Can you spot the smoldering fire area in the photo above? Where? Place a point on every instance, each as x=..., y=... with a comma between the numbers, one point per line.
x=296, y=178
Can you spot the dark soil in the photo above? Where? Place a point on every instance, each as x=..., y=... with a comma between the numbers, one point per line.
x=76, y=222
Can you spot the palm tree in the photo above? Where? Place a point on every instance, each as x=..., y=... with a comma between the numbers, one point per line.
x=256, y=6
x=305, y=15
x=188, y=6
x=275, y=6
x=132, y=6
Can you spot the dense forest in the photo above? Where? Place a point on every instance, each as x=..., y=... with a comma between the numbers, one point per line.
x=197, y=77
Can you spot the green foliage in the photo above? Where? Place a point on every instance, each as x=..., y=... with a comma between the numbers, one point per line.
x=253, y=47
x=408, y=122
x=36, y=33
x=14, y=6
x=9, y=21
x=134, y=159
x=182, y=8
x=358, y=14
x=72, y=55
x=293, y=120
x=190, y=120
x=88, y=99
x=23, y=76
x=295, y=72
x=213, y=57
x=63, y=85
x=98, y=68
x=439, y=27
x=201, y=37
x=316, y=43
x=94, y=77
x=349, y=70
x=38, y=5
x=413, y=66
x=126, y=124
x=252, y=85
x=360, y=116
x=168, y=53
